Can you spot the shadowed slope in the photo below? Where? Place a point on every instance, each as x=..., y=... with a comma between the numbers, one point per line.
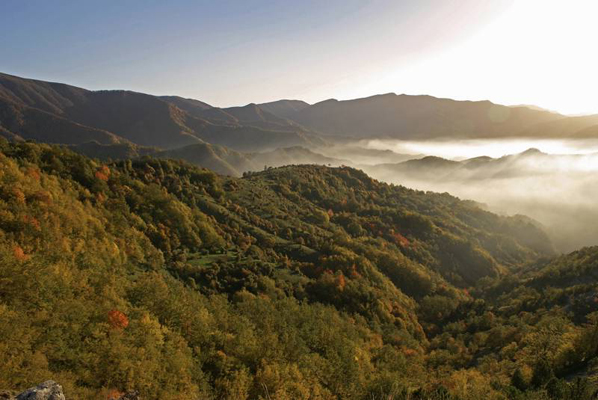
x=284, y=108
x=217, y=158
x=148, y=120
x=409, y=117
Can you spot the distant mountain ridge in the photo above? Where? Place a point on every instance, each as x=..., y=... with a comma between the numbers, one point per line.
x=438, y=168
x=555, y=189
x=59, y=113
x=119, y=123
x=418, y=117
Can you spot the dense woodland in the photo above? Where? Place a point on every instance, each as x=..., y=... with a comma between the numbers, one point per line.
x=299, y=282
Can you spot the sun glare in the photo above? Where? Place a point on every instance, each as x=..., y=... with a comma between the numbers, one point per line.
x=537, y=52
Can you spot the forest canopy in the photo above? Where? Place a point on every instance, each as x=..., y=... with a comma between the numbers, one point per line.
x=299, y=282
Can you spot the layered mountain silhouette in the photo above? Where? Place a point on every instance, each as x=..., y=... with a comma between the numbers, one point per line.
x=356, y=288
x=426, y=117
x=58, y=113
x=557, y=189
x=528, y=163
x=125, y=124
x=419, y=117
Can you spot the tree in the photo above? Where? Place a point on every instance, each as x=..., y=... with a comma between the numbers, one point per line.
x=518, y=380
x=542, y=373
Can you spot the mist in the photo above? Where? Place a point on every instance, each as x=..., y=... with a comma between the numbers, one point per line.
x=556, y=182
x=469, y=148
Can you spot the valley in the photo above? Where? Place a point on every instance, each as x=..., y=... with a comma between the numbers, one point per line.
x=295, y=251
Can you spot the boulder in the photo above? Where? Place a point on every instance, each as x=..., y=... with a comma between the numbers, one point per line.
x=134, y=395
x=49, y=390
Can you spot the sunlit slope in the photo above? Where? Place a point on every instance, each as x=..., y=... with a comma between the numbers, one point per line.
x=182, y=281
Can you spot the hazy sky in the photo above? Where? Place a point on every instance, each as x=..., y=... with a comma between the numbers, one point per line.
x=227, y=53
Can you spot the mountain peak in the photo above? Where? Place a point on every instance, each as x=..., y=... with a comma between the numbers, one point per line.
x=532, y=151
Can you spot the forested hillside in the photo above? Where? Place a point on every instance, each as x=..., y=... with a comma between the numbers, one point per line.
x=300, y=282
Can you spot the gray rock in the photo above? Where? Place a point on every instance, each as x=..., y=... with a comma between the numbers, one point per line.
x=49, y=390
x=130, y=396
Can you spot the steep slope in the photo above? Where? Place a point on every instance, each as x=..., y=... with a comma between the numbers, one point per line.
x=577, y=270
x=35, y=124
x=200, y=109
x=139, y=118
x=296, y=282
x=47, y=96
x=476, y=240
x=410, y=117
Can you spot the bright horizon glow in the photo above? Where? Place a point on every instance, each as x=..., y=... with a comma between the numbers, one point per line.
x=461, y=149
x=226, y=53
x=538, y=52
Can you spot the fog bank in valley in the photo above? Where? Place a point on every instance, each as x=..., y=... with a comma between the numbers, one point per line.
x=555, y=182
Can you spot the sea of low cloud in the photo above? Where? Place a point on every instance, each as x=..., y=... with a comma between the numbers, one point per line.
x=559, y=191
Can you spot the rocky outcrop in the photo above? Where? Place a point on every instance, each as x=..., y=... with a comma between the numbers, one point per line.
x=49, y=390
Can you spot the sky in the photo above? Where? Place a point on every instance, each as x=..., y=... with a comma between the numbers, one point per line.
x=226, y=53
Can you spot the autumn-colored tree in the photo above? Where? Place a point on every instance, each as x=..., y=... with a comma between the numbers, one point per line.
x=117, y=319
